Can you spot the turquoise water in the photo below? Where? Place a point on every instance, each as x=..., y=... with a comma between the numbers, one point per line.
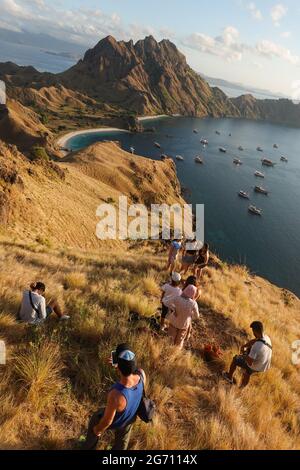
x=268, y=245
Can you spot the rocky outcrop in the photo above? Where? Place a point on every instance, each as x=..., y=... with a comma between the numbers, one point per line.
x=119, y=80
x=146, y=77
x=281, y=111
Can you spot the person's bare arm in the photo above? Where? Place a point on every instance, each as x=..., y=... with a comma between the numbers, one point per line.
x=113, y=402
x=249, y=360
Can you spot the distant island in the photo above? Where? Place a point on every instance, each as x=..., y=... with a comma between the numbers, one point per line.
x=113, y=84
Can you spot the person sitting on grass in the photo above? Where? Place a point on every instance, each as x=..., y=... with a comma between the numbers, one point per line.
x=123, y=402
x=183, y=310
x=255, y=356
x=33, y=308
x=174, y=251
x=169, y=292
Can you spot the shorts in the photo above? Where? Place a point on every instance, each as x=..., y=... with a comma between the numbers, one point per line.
x=49, y=310
x=240, y=361
x=164, y=310
x=188, y=259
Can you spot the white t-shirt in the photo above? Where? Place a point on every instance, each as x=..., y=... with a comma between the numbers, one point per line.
x=171, y=293
x=262, y=355
x=27, y=313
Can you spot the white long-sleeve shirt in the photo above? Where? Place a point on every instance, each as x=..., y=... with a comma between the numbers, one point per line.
x=183, y=311
x=27, y=313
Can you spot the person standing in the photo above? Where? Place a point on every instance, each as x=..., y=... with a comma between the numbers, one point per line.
x=122, y=405
x=174, y=250
x=201, y=261
x=169, y=292
x=184, y=309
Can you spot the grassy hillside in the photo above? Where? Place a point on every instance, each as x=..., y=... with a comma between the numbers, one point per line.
x=57, y=202
x=57, y=374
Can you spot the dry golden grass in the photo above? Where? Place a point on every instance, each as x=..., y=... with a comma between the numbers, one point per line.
x=57, y=374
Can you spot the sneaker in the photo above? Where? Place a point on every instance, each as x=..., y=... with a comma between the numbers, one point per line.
x=226, y=377
x=65, y=317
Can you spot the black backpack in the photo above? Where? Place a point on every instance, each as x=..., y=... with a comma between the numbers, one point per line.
x=147, y=407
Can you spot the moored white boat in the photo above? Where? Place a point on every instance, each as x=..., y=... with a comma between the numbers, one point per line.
x=179, y=158
x=259, y=149
x=237, y=161
x=222, y=149
x=241, y=148
x=283, y=159
x=267, y=162
x=259, y=174
x=261, y=190
x=199, y=160
x=255, y=210
x=157, y=145
x=244, y=195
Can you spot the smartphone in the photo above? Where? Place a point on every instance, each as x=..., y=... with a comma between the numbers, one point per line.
x=114, y=358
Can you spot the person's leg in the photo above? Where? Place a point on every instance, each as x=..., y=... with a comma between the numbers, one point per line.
x=91, y=439
x=122, y=438
x=245, y=379
x=180, y=338
x=232, y=369
x=172, y=332
x=164, y=312
x=54, y=305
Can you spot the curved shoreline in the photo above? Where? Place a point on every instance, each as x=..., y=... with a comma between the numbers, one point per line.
x=63, y=140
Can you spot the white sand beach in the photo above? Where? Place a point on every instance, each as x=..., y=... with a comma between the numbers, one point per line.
x=150, y=118
x=63, y=140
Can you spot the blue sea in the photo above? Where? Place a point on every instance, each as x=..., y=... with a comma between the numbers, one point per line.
x=268, y=245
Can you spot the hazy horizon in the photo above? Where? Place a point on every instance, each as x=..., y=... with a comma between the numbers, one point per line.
x=236, y=40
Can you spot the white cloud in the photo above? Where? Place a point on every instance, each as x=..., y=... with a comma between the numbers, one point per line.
x=255, y=12
x=286, y=34
x=226, y=45
x=270, y=50
x=296, y=90
x=278, y=12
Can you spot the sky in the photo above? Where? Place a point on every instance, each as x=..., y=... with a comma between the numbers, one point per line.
x=256, y=43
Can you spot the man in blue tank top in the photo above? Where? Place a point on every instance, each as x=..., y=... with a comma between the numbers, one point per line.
x=123, y=401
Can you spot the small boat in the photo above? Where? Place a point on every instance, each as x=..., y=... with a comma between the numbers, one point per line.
x=195, y=131
x=229, y=135
x=259, y=149
x=259, y=174
x=179, y=158
x=222, y=149
x=218, y=133
x=254, y=210
x=132, y=150
x=163, y=156
x=259, y=189
x=204, y=141
x=244, y=195
x=241, y=148
x=275, y=146
x=157, y=145
x=237, y=161
x=199, y=160
x=267, y=162
x=283, y=159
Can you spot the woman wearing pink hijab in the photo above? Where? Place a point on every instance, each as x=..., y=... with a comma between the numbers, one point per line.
x=184, y=309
